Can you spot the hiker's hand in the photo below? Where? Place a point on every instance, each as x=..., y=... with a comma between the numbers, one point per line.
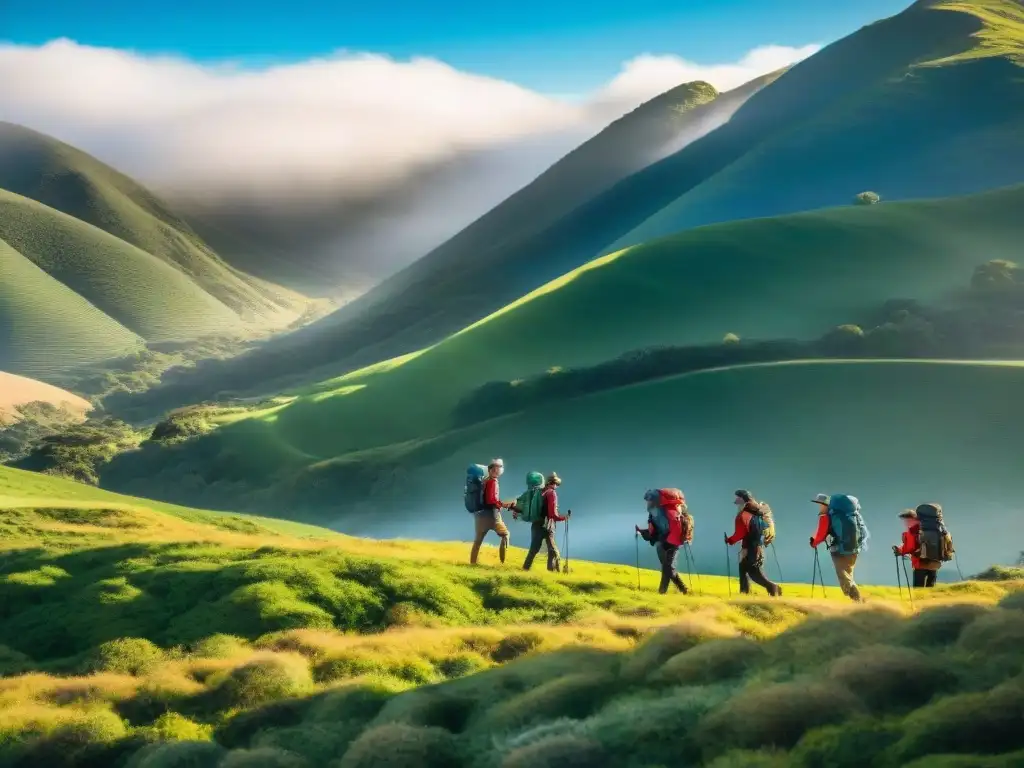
x=568, y=514
x=895, y=550
x=515, y=514
x=811, y=541
x=725, y=537
x=637, y=528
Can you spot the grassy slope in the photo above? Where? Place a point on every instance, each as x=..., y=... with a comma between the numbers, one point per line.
x=17, y=391
x=754, y=278
x=135, y=288
x=930, y=104
x=62, y=177
x=45, y=326
x=81, y=570
x=507, y=248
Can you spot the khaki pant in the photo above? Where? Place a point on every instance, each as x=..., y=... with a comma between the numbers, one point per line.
x=486, y=521
x=844, y=565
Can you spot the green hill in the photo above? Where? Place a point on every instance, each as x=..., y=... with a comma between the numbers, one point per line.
x=140, y=634
x=513, y=249
x=135, y=288
x=68, y=180
x=924, y=104
x=45, y=326
x=756, y=278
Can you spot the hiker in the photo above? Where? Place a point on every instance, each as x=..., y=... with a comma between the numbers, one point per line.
x=488, y=512
x=539, y=507
x=669, y=527
x=839, y=520
x=755, y=529
x=927, y=542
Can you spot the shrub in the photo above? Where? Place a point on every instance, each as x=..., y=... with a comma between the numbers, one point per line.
x=980, y=723
x=320, y=744
x=666, y=643
x=265, y=757
x=265, y=679
x=710, y=662
x=515, y=645
x=13, y=662
x=999, y=632
x=775, y=716
x=747, y=759
x=398, y=746
x=940, y=625
x=181, y=754
x=219, y=646
x=1014, y=601
x=730, y=338
x=887, y=677
x=461, y=664
x=171, y=726
x=853, y=744
x=558, y=752
x=867, y=198
x=239, y=730
x=575, y=696
x=79, y=735
x=127, y=656
x=817, y=640
x=431, y=707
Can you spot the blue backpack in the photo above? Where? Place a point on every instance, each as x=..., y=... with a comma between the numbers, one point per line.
x=849, y=532
x=475, y=475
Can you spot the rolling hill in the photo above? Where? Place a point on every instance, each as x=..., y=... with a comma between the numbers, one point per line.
x=94, y=266
x=46, y=327
x=16, y=391
x=927, y=103
x=53, y=173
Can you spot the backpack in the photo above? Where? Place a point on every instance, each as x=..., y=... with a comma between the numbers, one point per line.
x=531, y=502
x=849, y=532
x=761, y=526
x=936, y=543
x=475, y=475
x=661, y=501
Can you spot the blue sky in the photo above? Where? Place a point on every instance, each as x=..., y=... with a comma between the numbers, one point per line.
x=549, y=45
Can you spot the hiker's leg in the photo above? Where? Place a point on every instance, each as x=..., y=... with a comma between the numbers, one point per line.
x=844, y=565
x=483, y=525
x=502, y=531
x=671, y=556
x=743, y=573
x=931, y=578
x=920, y=577
x=554, y=556
x=666, y=573
x=536, y=539
x=756, y=572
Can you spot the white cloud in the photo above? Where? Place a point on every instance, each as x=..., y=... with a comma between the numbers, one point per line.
x=644, y=77
x=362, y=121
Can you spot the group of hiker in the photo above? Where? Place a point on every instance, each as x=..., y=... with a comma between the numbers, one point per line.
x=670, y=528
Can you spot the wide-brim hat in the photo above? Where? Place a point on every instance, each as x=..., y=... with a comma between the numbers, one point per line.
x=822, y=498
x=908, y=514
x=553, y=479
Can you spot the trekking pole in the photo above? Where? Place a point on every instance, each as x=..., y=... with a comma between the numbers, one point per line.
x=689, y=552
x=821, y=576
x=728, y=570
x=814, y=573
x=899, y=582
x=565, y=568
x=778, y=566
x=637, y=537
x=689, y=572
x=956, y=560
x=910, y=589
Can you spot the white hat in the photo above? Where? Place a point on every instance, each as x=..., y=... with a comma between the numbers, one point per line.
x=497, y=463
x=822, y=498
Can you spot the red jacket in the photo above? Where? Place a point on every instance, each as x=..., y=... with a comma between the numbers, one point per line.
x=912, y=545
x=824, y=526
x=742, y=530
x=678, y=527
x=491, y=498
x=551, y=505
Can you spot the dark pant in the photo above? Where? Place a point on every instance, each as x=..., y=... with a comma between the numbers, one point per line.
x=667, y=555
x=751, y=570
x=542, y=533
x=924, y=577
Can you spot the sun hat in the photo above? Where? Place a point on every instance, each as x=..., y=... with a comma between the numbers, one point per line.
x=822, y=498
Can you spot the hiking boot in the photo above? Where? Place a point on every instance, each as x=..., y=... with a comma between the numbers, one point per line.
x=778, y=591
